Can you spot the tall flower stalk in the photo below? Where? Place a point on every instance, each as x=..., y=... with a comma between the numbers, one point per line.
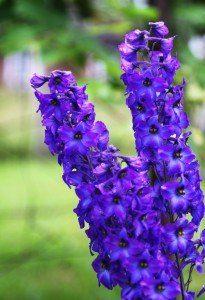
x=137, y=213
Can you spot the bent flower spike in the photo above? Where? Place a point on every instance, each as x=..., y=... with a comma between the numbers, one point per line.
x=142, y=217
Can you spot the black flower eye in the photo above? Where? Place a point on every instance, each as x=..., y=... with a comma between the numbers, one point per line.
x=161, y=59
x=87, y=117
x=140, y=107
x=147, y=82
x=122, y=174
x=78, y=136
x=61, y=146
x=123, y=243
x=143, y=264
x=180, y=232
x=54, y=102
x=116, y=200
x=144, y=217
x=105, y=265
x=176, y=104
x=57, y=80
x=153, y=129
x=178, y=154
x=160, y=287
x=180, y=191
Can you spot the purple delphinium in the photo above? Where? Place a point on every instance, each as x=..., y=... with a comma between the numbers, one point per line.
x=156, y=105
x=113, y=200
x=135, y=214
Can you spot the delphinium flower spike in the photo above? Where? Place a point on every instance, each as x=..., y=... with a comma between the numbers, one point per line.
x=136, y=214
x=115, y=201
x=159, y=124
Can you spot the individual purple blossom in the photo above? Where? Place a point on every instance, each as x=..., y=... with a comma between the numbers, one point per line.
x=121, y=246
x=78, y=138
x=178, y=235
x=37, y=80
x=105, y=269
x=158, y=29
x=160, y=288
x=176, y=157
x=60, y=80
x=143, y=266
x=178, y=195
x=146, y=84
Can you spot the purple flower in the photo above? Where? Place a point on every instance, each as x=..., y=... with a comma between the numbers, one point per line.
x=158, y=29
x=178, y=235
x=144, y=220
x=38, y=80
x=140, y=108
x=137, y=39
x=165, y=45
x=176, y=157
x=78, y=138
x=61, y=80
x=50, y=105
x=178, y=194
x=116, y=204
x=134, y=208
x=160, y=288
x=143, y=266
x=121, y=247
x=127, y=51
x=151, y=133
x=104, y=269
x=131, y=292
x=189, y=295
x=146, y=84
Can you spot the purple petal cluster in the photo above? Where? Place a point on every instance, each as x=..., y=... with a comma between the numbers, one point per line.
x=159, y=124
x=115, y=199
x=134, y=208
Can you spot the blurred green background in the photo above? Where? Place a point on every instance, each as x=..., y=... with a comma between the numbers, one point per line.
x=43, y=253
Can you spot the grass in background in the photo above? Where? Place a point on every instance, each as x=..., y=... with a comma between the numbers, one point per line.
x=44, y=254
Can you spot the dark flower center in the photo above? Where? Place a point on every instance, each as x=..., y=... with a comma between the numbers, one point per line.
x=123, y=243
x=86, y=117
x=104, y=265
x=122, y=174
x=140, y=107
x=180, y=191
x=140, y=192
x=111, y=221
x=57, y=80
x=61, y=146
x=170, y=90
x=161, y=59
x=144, y=217
x=78, y=136
x=54, y=102
x=97, y=191
x=160, y=287
x=147, y=82
x=143, y=264
x=153, y=129
x=116, y=200
x=74, y=106
x=178, y=154
x=104, y=231
x=176, y=104
x=180, y=232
